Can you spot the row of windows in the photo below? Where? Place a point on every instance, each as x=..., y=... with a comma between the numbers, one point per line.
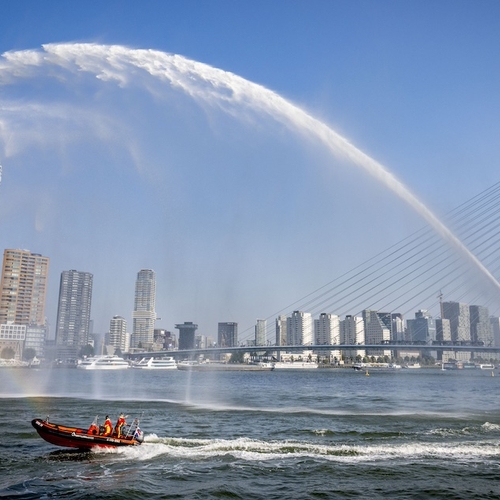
x=11, y=336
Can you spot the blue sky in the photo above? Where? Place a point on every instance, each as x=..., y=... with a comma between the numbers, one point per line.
x=239, y=216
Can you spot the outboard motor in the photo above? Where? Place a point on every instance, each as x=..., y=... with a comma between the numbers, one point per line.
x=139, y=435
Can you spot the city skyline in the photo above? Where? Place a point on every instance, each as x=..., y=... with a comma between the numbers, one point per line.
x=299, y=327
x=108, y=167
x=23, y=281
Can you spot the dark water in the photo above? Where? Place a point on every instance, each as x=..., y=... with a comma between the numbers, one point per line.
x=272, y=435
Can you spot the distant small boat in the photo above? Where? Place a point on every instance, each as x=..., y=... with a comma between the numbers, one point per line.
x=34, y=363
x=394, y=366
x=296, y=365
x=103, y=363
x=412, y=366
x=487, y=366
x=452, y=365
x=165, y=363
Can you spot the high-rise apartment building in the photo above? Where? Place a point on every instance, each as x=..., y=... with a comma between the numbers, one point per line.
x=480, y=327
x=227, y=334
x=352, y=332
x=144, y=315
x=73, y=313
x=459, y=316
x=377, y=326
x=443, y=330
x=495, y=330
x=281, y=330
x=260, y=332
x=300, y=328
x=443, y=335
x=377, y=330
x=422, y=328
x=398, y=327
x=327, y=329
x=118, y=333
x=23, y=287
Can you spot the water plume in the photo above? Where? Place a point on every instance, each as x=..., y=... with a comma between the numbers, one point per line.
x=210, y=88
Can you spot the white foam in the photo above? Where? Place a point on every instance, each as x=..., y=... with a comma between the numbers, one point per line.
x=256, y=450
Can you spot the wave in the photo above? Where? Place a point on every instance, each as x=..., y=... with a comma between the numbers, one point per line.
x=487, y=427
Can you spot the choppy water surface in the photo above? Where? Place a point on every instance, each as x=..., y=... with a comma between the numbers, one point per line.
x=328, y=433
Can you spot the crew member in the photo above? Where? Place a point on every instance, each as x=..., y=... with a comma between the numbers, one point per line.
x=94, y=427
x=108, y=427
x=119, y=424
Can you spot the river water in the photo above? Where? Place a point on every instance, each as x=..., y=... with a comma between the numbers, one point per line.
x=324, y=433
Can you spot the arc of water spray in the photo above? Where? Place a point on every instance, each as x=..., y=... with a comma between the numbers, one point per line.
x=215, y=87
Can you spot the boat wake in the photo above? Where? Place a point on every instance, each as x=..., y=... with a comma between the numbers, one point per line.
x=252, y=450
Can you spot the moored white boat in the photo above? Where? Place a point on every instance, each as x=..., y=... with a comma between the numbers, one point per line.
x=487, y=366
x=452, y=365
x=295, y=365
x=13, y=363
x=216, y=366
x=165, y=363
x=103, y=363
x=34, y=363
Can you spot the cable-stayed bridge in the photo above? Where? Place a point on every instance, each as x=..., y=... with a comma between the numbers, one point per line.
x=270, y=350
x=416, y=273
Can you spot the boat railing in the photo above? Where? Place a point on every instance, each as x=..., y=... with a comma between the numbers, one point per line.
x=132, y=428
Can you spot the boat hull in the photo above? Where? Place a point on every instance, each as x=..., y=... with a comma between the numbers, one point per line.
x=73, y=437
x=116, y=367
x=296, y=365
x=223, y=367
x=155, y=367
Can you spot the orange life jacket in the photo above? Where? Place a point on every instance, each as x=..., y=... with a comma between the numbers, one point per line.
x=108, y=427
x=118, y=427
x=93, y=429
